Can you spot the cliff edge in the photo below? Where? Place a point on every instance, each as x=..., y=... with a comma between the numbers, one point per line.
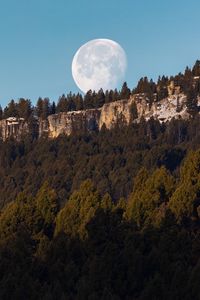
x=118, y=112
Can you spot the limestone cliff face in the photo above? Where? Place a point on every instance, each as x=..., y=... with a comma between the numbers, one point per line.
x=115, y=112
x=93, y=119
x=172, y=107
x=43, y=126
x=88, y=120
x=76, y=121
x=13, y=127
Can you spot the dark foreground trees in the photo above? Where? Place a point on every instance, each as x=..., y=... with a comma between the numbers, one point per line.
x=93, y=248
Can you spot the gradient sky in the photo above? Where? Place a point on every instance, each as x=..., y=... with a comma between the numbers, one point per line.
x=38, y=39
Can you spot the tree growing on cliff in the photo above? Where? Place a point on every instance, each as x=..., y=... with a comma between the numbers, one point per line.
x=43, y=108
x=1, y=113
x=53, y=108
x=192, y=101
x=24, y=108
x=196, y=69
x=100, y=98
x=125, y=91
x=10, y=110
x=133, y=112
x=162, y=88
x=147, y=87
x=89, y=100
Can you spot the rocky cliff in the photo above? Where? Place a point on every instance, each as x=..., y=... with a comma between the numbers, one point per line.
x=93, y=119
x=75, y=121
x=114, y=112
x=172, y=107
x=13, y=127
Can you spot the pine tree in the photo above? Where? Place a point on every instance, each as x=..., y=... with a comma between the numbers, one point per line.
x=196, y=69
x=39, y=107
x=147, y=203
x=185, y=201
x=100, y=98
x=88, y=100
x=24, y=108
x=11, y=110
x=47, y=204
x=78, y=211
x=192, y=101
x=53, y=108
x=125, y=92
x=1, y=113
x=133, y=112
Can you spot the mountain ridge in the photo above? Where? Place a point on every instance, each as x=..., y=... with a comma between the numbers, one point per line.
x=109, y=115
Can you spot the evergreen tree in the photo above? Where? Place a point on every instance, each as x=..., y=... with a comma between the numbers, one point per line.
x=196, y=69
x=47, y=204
x=24, y=108
x=39, y=107
x=185, y=201
x=134, y=112
x=162, y=88
x=1, y=113
x=11, y=110
x=53, y=108
x=100, y=98
x=78, y=211
x=147, y=203
x=192, y=101
x=62, y=105
x=89, y=100
x=125, y=91
x=46, y=108
x=79, y=102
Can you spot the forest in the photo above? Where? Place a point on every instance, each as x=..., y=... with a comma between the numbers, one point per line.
x=113, y=214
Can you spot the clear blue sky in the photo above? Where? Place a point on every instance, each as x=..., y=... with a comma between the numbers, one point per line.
x=38, y=39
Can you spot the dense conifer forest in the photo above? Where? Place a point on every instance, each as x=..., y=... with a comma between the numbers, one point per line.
x=113, y=214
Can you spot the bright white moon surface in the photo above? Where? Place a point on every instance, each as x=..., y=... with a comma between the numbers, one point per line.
x=100, y=63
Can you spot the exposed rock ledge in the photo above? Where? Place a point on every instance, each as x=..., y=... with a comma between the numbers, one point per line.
x=93, y=119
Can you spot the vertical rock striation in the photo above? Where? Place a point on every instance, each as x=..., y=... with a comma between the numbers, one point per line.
x=110, y=114
x=73, y=122
x=116, y=112
x=13, y=128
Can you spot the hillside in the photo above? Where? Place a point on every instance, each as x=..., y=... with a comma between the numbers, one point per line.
x=101, y=200
x=123, y=112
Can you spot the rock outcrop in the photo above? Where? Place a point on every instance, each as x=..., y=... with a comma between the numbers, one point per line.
x=115, y=112
x=110, y=114
x=75, y=121
x=172, y=107
x=13, y=127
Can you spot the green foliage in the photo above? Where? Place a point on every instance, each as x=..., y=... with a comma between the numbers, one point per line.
x=130, y=232
x=111, y=158
x=146, y=87
x=185, y=201
x=133, y=111
x=95, y=252
x=192, y=101
x=78, y=210
x=196, y=69
x=148, y=201
x=46, y=203
x=125, y=92
x=18, y=215
x=106, y=203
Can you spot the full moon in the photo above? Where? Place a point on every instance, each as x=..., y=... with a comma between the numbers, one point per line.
x=100, y=63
